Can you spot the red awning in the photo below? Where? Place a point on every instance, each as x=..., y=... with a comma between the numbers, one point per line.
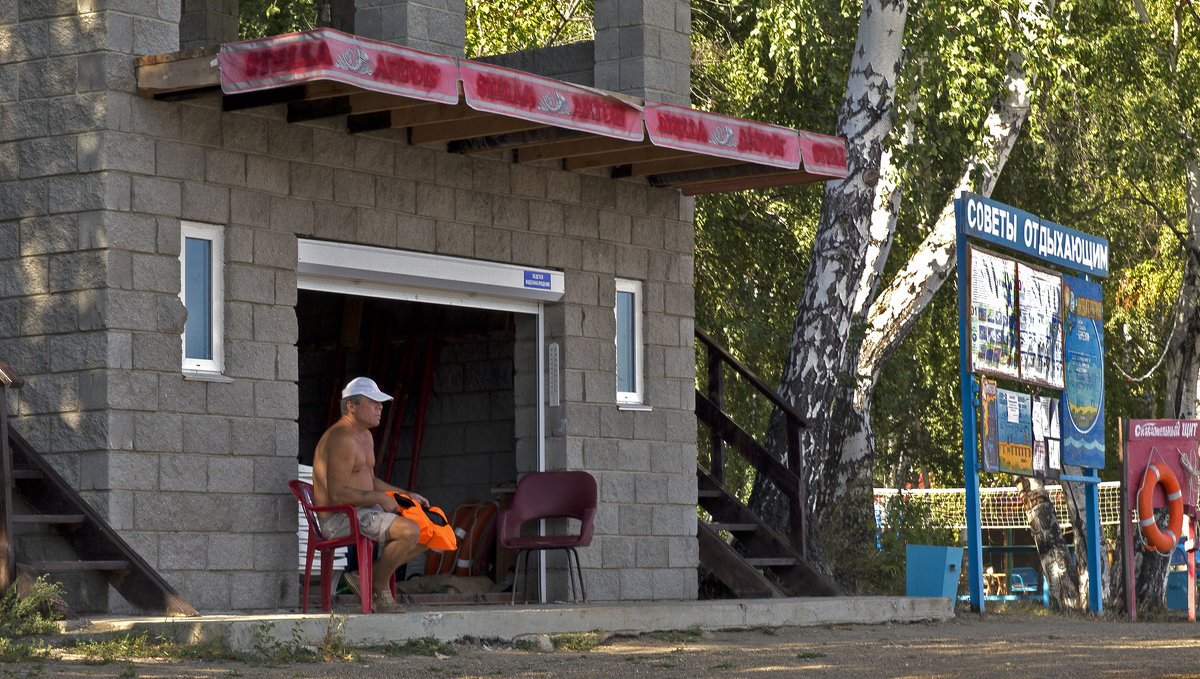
x=474, y=107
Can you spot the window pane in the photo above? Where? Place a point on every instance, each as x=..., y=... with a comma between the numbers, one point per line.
x=626, y=370
x=197, y=287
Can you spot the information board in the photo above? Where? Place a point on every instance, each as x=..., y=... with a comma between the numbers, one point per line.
x=1083, y=394
x=993, y=314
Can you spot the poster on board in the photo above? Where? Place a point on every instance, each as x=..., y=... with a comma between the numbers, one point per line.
x=1014, y=425
x=989, y=438
x=1083, y=369
x=1039, y=299
x=993, y=314
x=1047, y=435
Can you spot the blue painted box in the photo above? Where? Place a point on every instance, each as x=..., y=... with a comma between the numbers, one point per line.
x=932, y=570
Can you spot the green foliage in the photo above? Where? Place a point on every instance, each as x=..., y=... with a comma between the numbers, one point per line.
x=425, y=646
x=33, y=613
x=14, y=650
x=262, y=18
x=127, y=645
x=502, y=26
x=580, y=642
x=868, y=568
x=332, y=645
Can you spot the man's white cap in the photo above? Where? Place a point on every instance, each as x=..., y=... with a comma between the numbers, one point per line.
x=365, y=386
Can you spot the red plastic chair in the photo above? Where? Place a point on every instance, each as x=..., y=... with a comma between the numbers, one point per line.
x=365, y=546
x=549, y=495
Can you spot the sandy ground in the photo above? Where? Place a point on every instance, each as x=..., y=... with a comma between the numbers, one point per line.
x=994, y=645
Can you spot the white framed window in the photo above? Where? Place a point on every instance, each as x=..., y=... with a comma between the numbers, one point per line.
x=202, y=291
x=628, y=310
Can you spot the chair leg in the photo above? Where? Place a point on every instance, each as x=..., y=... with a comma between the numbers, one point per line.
x=516, y=575
x=326, y=578
x=578, y=572
x=307, y=579
x=366, y=554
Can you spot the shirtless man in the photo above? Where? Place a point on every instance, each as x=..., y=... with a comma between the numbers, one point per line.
x=344, y=474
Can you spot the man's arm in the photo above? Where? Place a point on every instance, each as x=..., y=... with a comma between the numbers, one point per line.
x=382, y=486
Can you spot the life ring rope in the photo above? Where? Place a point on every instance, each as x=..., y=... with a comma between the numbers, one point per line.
x=1162, y=541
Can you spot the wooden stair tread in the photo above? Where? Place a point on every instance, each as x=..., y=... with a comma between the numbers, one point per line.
x=80, y=565
x=48, y=518
x=769, y=561
x=709, y=492
x=733, y=527
x=20, y=474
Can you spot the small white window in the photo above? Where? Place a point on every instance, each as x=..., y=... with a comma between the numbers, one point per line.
x=628, y=309
x=202, y=291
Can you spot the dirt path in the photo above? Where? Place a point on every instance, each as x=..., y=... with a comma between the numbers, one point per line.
x=998, y=645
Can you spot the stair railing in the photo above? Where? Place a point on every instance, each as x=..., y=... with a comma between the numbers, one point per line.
x=723, y=431
x=9, y=379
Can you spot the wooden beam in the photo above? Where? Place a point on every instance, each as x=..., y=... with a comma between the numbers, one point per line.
x=278, y=95
x=574, y=148
x=694, y=162
x=516, y=140
x=439, y=133
x=164, y=73
x=623, y=157
x=741, y=171
x=792, y=179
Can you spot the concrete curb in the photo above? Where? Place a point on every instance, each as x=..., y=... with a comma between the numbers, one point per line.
x=506, y=623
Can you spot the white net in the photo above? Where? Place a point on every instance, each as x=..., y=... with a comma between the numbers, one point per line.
x=998, y=507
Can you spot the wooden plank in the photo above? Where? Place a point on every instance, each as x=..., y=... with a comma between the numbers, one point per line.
x=677, y=164
x=769, y=562
x=48, y=518
x=729, y=567
x=624, y=157
x=516, y=140
x=8, y=559
x=734, y=527
x=79, y=565
x=192, y=73
x=464, y=129
x=575, y=148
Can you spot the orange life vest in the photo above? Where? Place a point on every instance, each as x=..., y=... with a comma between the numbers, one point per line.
x=436, y=531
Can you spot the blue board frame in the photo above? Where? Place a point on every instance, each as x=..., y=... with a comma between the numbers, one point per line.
x=984, y=219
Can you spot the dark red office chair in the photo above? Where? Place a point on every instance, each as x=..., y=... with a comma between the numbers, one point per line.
x=549, y=495
x=365, y=547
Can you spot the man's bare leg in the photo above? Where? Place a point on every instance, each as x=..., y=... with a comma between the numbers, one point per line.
x=402, y=546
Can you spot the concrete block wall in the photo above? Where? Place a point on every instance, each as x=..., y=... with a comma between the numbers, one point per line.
x=437, y=26
x=207, y=22
x=643, y=48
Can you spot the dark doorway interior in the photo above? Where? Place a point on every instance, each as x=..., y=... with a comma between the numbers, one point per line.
x=451, y=371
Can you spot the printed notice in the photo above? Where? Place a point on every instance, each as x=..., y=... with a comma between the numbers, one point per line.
x=993, y=314
x=1041, y=340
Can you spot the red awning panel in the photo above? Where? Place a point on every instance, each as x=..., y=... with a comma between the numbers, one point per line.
x=474, y=108
x=522, y=95
x=686, y=129
x=326, y=54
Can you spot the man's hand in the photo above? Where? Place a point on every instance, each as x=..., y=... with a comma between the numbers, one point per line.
x=417, y=497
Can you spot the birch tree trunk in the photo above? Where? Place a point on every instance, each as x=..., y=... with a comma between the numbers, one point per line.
x=1062, y=581
x=1182, y=365
x=815, y=363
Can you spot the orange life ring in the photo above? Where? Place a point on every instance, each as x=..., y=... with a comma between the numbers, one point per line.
x=1156, y=539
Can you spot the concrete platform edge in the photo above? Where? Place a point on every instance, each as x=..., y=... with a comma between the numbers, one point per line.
x=506, y=623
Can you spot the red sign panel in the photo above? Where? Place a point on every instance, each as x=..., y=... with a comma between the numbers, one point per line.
x=1170, y=442
x=686, y=129
x=823, y=154
x=326, y=54
x=529, y=97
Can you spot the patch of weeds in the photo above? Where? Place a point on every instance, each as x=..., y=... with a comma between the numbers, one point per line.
x=679, y=636
x=234, y=673
x=129, y=672
x=271, y=649
x=580, y=642
x=129, y=645
x=633, y=659
x=810, y=655
x=33, y=612
x=770, y=631
x=723, y=666
x=12, y=651
x=333, y=645
x=426, y=646
x=527, y=645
